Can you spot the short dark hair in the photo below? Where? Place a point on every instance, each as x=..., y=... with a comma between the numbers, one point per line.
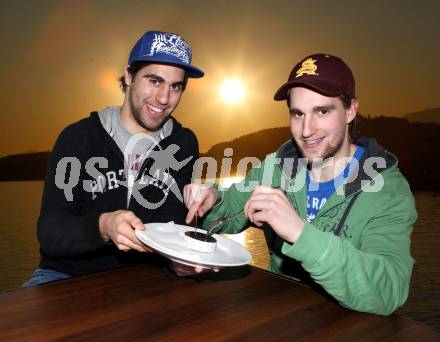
x=133, y=69
x=353, y=126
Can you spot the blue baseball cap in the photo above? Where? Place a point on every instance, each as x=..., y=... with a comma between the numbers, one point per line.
x=164, y=47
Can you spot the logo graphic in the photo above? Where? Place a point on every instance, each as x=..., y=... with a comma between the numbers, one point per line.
x=307, y=67
x=157, y=175
x=170, y=44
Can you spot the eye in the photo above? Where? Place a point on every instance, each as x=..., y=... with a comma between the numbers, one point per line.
x=324, y=111
x=296, y=114
x=154, y=81
x=176, y=87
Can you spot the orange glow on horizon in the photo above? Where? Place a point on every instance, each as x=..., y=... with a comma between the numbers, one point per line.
x=108, y=81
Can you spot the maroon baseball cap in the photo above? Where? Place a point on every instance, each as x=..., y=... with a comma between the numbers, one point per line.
x=325, y=74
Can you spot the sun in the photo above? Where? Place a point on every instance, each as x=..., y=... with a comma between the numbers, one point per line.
x=232, y=91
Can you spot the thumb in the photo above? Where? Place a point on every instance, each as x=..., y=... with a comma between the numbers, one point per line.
x=135, y=221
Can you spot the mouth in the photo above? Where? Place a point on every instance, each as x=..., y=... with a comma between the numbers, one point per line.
x=155, y=110
x=312, y=143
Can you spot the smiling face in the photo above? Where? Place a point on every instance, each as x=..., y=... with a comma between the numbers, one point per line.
x=151, y=96
x=319, y=124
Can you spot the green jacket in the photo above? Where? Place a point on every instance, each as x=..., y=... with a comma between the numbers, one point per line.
x=363, y=260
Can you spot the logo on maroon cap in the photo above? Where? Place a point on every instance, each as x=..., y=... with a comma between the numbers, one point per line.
x=307, y=67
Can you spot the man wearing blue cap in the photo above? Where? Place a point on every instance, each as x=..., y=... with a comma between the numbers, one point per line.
x=121, y=167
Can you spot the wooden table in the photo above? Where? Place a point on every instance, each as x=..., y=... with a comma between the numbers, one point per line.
x=142, y=303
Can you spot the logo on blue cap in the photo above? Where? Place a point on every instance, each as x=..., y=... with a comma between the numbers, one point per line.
x=163, y=47
x=170, y=44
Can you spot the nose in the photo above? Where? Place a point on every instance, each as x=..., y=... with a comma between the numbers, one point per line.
x=308, y=126
x=163, y=94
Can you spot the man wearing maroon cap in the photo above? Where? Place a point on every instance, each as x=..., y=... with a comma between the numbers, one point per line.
x=335, y=210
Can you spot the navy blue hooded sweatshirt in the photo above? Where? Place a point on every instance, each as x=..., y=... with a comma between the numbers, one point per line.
x=90, y=181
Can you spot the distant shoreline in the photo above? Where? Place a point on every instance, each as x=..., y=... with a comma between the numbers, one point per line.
x=433, y=192
x=417, y=161
x=21, y=180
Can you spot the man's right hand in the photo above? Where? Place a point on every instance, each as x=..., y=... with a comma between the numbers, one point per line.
x=119, y=226
x=198, y=198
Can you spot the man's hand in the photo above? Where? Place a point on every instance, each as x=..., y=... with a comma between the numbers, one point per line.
x=272, y=206
x=119, y=226
x=198, y=198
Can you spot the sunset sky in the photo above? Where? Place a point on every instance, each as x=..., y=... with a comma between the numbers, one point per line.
x=60, y=59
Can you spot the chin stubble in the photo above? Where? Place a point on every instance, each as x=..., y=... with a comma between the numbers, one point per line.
x=137, y=115
x=328, y=154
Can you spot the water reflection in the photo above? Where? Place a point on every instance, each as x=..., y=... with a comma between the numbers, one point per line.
x=252, y=238
x=20, y=203
x=254, y=241
x=227, y=182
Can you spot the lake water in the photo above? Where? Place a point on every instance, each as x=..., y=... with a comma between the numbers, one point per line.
x=20, y=204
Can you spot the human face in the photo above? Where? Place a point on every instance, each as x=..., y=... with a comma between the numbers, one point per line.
x=319, y=124
x=152, y=95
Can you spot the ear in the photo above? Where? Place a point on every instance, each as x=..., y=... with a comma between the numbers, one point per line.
x=352, y=111
x=127, y=76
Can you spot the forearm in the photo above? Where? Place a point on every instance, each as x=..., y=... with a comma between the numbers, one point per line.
x=360, y=280
x=65, y=229
x=62, y=234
